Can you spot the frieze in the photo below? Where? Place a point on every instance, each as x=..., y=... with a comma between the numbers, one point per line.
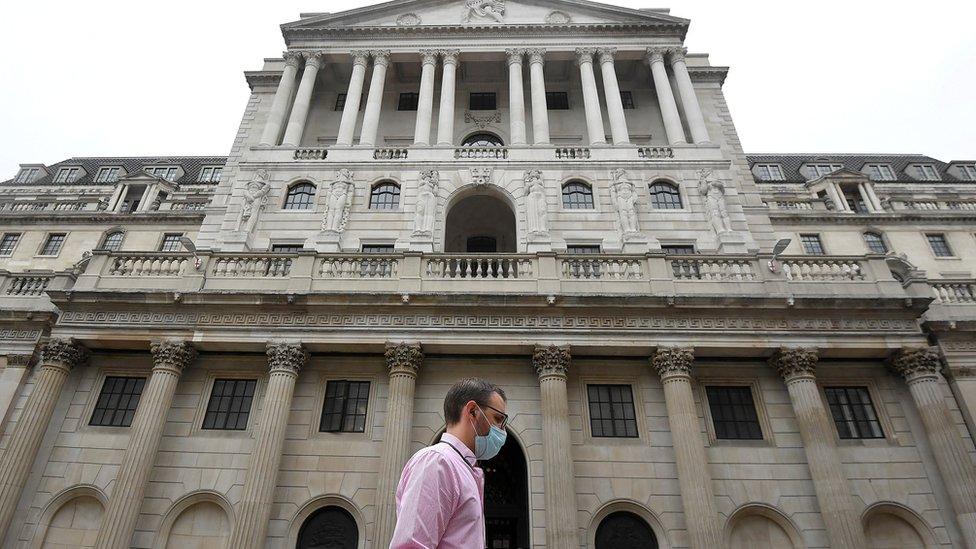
x=20, y=335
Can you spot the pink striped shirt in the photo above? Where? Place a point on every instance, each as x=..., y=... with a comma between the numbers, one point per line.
x=440, y=499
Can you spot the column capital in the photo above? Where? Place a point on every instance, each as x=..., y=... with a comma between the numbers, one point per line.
x=655, y=55
x=292, y=58
x=172, y=355
x=450, y=56
x=313, y=58
x=795, y=363
x=404, y=358
x=606, y=54
x=515, y=56
x=428, y=57
x=916, y=364
x=677, y=54
x=673, y=362
x=584, y=55
x=551, y=360
x=381, y=58
x=64, y=354
x=286, y=357
x=536, y=55
x=360, y=57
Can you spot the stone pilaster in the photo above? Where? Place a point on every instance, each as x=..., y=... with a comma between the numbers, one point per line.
x=446, y=114
x=689, y=99
x=279, y=106
x=425, y=103
x=303, y=100
x=58, y=357
x=665, y=97
x=920, y=367
x=591, y=97
x=516, y=96
x=403, y=360
x=374, y=102
x=540, y=108
x=552, y=365
x=840, y=510
x=285, y=361
x=673, y=365
x=615, y=106
x=354, y=96
x=119, y=520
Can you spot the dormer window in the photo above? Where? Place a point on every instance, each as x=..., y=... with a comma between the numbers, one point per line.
x=27, y=175
x=210, y=174
x=821, y=170
x=67, y=175
x=928, y=172
x=968, y=172
x=108, y=175
x=880, y=172
x=164, y=172
x=769, y=172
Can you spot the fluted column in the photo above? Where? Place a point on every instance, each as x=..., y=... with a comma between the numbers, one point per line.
x=354, y=97
x=540, y=109
x=920, y=368
x=615, y=105
x=285, y=360
x=694, y=477
x=58, y=357
x=689, y=99
x=403, y=361
x=591, y=97
x=838, y=507
x=299, y=111
x=445, y=121
x=516, y=96
x=279, y=106
x=425, y=104
x=374, y=102
x=552, y=365
x=665, y=97
x=119, y=520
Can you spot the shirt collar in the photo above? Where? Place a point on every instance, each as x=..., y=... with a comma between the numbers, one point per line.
x=460, y=447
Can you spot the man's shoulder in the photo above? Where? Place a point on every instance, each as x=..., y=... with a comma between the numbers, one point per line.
x=434, y=453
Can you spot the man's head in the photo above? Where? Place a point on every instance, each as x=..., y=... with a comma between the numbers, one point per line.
x=472, y=406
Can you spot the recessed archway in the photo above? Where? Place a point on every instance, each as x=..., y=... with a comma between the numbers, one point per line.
x=480, y=223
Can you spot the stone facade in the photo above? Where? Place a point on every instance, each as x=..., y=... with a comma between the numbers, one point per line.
x=550, y=194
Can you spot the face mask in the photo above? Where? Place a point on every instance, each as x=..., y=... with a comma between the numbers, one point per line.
x=488, y=446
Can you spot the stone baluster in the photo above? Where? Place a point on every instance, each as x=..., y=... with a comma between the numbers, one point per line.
x=58, y=358
x=615, y=104
x=445, y=121
x=403, y=361
x=279, y=106
x=354, y=97
x=540, y=108
x=425, y=103
x=591, y=97
x=673, y=365
x=303, y=100
x=838, y=506
x=665, y=97
x=285, y=361
x=552, y=365
x=689, y=99
x=119, y=520
x=374, y=102
x=920, y=368
x=516, y=96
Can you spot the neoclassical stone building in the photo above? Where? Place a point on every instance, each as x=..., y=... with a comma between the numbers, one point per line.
x=243, y=351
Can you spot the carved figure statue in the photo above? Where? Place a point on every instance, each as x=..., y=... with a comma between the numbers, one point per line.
x=624, y=197
x=492, y=9
x=713, y=191
x=423, y=223
x=338, y=202
x=536, y=208
x=255, y=193
x=102, y=204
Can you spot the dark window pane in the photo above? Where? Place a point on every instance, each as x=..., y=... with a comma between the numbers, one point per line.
x=940, y=246
x=385, y=196
x=170, y=243
x=8, y=243
x=340, y=102
x=345, y=407
x=612, y=411
x=875, y=243
x=483, y=140
x=408, y=101
x=577, y=196
x=300, y=197
x=733, y=413
x=117, y=402
x=853, y=412
x=557, y=101
x=627, y=98
x=230, y=404
x=812, y=244
x=52, y=246
x=483, y=101
x=665, y=196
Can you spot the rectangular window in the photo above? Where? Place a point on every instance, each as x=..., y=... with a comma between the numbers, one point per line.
x=118, y=401
x=52, y=246
x=825, y=169
x=853, y=412
x=928, y=172
x=26, y=175
x=612, y=411
x=108, y=175
x=408, y=101
x=583, y=249
x=230, y=404
x=939, y=244
x=67, y=175
x=557, y=101
x=855, y=201
x=344, y=410
x=733, y=413
x=8, y=243
x=171, y=242
x=210, y=174
x=163, y=172
x=340, y=103
x=969, y=172
x=482, y=101
x=287, y=248
x=770, y=172
x=812, y=245
x=678, y=249
x=377, y=248
x=627, y=98
x=880, y=172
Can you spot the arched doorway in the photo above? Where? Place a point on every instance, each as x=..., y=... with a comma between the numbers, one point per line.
x=329, y=528
x=480, y=224
x=507, y=498
x=623, y=530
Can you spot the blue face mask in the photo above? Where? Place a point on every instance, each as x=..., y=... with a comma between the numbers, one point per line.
x=488, y=446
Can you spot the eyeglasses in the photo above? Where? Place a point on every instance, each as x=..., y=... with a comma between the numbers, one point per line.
x=503, y=414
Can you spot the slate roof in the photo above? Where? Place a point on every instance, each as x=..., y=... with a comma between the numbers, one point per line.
x=791, y=164
x=191, y=167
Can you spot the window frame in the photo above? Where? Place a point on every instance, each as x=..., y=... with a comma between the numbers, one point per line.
x=578, y=248
x=887, y=433
x=215, y=172
x=101, y=390
x=665, y=182
x=296, y=248
x=769, y=172
x=291, y=188
x=636, y=390
x=497, y=141
x=26, y=175
x=723, y=377
x=71, y=174
x=707, y=404
x=348, y=371
x=394, y=206
x=627, y=100
x=162, y=242
x=47, y=239
x=343, y=412
x=478, y=97
x=819, y=167
x=169, y=169
x=412, y=102
x=820, y=243
x=612, y=404
x=209, y=399
x=881, y=239
x=881, y=168
x=945, y=241
x=109, y=233
x=968, y=171
x=553, y=105
x=114, y=174
x=245, y=372
x=928, y=172
x=569, y=206
x=13, y=247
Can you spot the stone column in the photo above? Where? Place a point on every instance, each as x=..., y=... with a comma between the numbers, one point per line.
x=425, y=104
x=279, y=106
x=58, y=357
x=540, y=108
x=862, y=189
x=13, y=370
x=552, y=365
x=445, y=121
x=838, y=507
x=285, y=360
x=615, y=105
x=516, y=96
x=591, y=97
x=374, y=103
x=920, y=368
x=669, y=109
x=354, y=96
x=299, y=111
x=403, y=361
x=689, y=99
x=122, y=512
x=694, y=477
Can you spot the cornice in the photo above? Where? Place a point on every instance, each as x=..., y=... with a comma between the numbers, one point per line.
x=262, y=78
x=709, y=74
x=494, y=30
x=30, y=218
x=959, y=216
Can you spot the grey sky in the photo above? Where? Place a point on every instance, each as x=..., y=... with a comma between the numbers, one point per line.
x=105, y=78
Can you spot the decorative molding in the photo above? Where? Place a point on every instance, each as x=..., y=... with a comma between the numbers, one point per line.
x=408, y=20
x=481, y=176
x=381, y=58
x=404, y=359
x=677, y=55
x=673, y=362
x=482, y=121
x=551, y=360
x=558, y=18
x=172, y=355
x=63, y=353
x=515, y=56
x=486, y=9
x=19, y=361
x=655, y=55
x=916, y=364
x=584, y=55
x=795, y=364
x=428, y=57
x=360, y=57
x=545, y=30
x=286, y=357
x=606, y=54
x=20, y=335
x=314, y=58
x=450, y=56
x=536, y=55
x=292, y=58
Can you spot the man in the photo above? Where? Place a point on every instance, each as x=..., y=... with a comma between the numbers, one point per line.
x=440, y=499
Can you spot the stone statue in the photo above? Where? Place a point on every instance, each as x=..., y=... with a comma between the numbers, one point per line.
x=536, y=208
x=102, y=204
x=713, y=191
x=624, y=197
x=423, y=224
x=492, y=9
x=338, y=202
x=255, y=193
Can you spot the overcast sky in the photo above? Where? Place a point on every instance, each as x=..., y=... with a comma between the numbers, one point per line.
x=129, y=78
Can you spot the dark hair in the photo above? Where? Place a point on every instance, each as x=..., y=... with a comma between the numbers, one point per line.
x=465, y=390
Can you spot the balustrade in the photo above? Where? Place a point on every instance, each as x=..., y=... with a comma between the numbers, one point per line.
x=27, y=285
x=475, y=153
x=478, y=267
x=148, y=265
x=311, y=154
x=391, y=154
x=251, y=266
x=654, y=153
x=602, y=268
x=358, y=266
x=713, y=269
x=954, y=293
x=822, y=269
x=573, y=153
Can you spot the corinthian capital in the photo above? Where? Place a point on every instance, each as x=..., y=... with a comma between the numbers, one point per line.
x=515, y=56
x=286, y=357
x=63, y=353
x=915, y=364
x=381, y=58
x=172, y=355
x=655, y=55
x=450, y=56
x=677, y=54
x=584, y=55
x=672, y=362
x=292, y=58
x=313, y=59
x=428, y=57
x=551, y=360
x=536, y=55
x=360, y=57
x=795, y=363
x=606, y=54
x=404, y=358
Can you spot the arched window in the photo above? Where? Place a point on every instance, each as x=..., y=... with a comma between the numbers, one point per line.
x=665, y=196
x=112, y=241
x=483, y=140
x=623, y=530
x=329, y=527
x=577, y=195
x=876, y=243
x=300, y=197
x=385, y=196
